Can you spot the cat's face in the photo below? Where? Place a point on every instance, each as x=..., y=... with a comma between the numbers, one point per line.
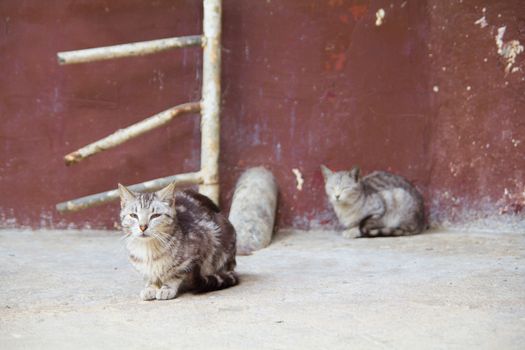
x=147, y=215
x=341, y=187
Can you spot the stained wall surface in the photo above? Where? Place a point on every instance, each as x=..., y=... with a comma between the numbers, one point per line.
x=428, y=94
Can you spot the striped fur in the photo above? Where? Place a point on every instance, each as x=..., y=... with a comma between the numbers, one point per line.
x=178, y=240
x=379, y=204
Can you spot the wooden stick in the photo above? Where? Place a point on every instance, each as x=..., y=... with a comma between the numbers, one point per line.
x=126, y=50
x=132, y=131
x=148, y=186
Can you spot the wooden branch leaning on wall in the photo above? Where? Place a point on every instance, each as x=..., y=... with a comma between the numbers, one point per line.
x=127, y=50
x=132, y=131
x=108, y=196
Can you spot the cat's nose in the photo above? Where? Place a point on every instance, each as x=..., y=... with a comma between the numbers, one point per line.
x=337, y=197
x=143, y=227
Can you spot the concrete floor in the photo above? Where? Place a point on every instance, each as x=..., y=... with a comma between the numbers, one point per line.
x=308, y=290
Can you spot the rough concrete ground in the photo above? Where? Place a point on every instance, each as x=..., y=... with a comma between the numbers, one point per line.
x=308, y=290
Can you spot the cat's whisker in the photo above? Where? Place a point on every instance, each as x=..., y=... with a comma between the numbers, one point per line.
x=159, y=239
x=125, y=236
x=163, y=241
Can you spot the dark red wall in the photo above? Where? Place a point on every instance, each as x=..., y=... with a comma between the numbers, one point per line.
x=477, y=133
x=304, y=82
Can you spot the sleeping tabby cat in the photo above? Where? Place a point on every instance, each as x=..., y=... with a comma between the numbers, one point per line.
x=177, y=240
x=379, y=204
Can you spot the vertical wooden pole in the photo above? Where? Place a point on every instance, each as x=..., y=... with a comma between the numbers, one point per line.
x=211, y=99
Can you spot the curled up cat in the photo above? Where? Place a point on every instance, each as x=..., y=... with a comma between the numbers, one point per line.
x=379, y=204
x=177, y=240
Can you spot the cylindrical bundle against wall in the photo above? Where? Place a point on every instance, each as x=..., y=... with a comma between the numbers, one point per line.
x=253, y=208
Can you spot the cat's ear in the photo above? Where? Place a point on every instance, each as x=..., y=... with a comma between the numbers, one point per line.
x=354, y=173
x=125, y=195
x=167, y=194
x=326, y=172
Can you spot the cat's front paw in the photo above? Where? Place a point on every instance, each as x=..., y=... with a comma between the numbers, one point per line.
x=148, y=293
x=166, y=293
x=351, y=233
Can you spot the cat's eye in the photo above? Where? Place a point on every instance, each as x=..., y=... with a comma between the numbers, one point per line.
x=153, y=216
x=134, y=216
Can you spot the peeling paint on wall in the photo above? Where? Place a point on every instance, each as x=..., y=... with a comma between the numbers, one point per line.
x=482, y=22
x=298, y=178
x=508, y=50
x=380, y=15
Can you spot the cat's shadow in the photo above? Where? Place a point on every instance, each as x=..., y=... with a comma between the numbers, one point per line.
x=247, y=278
x=244, y=280
x=430, y=231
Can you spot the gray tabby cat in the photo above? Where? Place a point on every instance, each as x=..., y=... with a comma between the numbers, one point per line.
x=177, y=240
x=379, y=204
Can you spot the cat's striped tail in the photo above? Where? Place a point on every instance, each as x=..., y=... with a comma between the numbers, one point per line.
x=369, y=228
x=220, y=280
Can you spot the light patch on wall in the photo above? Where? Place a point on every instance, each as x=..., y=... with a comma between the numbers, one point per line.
x=514, y=203
x=482, y=216
x=158, y=77
x=298, y=178
x=278, y=152
x=454, y=169
x=380, y=16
